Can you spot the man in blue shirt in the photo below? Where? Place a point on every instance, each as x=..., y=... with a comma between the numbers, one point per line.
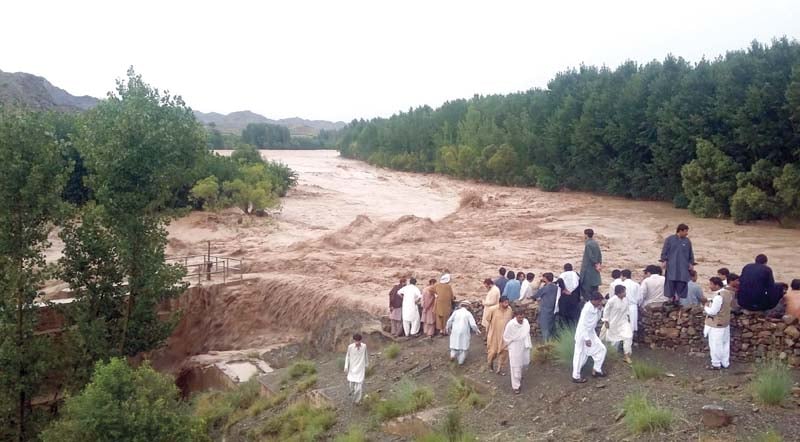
x=512, y=288
x=501, y=281
x=547, y=305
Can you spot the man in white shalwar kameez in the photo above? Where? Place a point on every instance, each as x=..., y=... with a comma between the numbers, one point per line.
x=411, y=297
x=616, y=276
x=634, y=298
x=587, y=343
x=459, y=326
x=615, y=316
x=355, y=365
x=517, y=337
x=717, y=327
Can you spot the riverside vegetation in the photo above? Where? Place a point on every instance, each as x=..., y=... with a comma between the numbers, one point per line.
x=110, y=179
x=721, y=137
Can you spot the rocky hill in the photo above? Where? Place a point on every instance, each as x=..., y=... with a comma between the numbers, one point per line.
x=234, y=122
x=23, y=89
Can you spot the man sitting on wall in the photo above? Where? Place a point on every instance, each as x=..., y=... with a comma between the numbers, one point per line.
x=757, y=288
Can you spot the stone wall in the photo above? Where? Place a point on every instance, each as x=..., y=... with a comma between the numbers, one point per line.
x=753, y=335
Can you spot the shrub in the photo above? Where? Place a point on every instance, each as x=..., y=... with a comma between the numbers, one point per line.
x=306, y=383
x=302, y=368
x=462, y=392
x=407, y=398
x=354, y=434
x=206, y=192
x=543, y=352
x=300, y=422
x=451, y=430
x=221, y=409
x=391, y=351
x=641, y=416
x=125, y=404
x=643, y=370
x=773, y=383
x=564, y=346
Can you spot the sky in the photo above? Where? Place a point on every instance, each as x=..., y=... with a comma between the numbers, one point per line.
x=340, y=60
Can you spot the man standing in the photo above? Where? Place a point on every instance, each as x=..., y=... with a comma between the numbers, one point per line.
x=355, y=365
x=615, y=316
x=411, y=297
x=568, y=298
x=444, y=301
x=616, y=279
x=428, y=306
x=396, y=308
x=587, y=343
x=525, y=288
x=491, y=300
x=591, y=265
x=497, y=318
x=547, y=305
x=652, y=288
x=634, y=298
x=459, y=325
x=717, y=327
x=511, y=291
x=694, y=294
x=757, y=288
x=517, y=336
x=677, y=259
x=501, y=281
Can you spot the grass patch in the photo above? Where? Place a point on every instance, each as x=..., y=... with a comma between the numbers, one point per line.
x=222, y=409
x=354, y=434
x=299, y=422
x=369, y=371
x=451, y=430
x=772, y=384
x=544, y=352
x=392, y=351
x=306, y=383
x=340, y=362
x=564, y=346
x=643, y=370
x=302, y=368
x=768, y=436
x=641, y=416
x=462, y=392
x=407, y=398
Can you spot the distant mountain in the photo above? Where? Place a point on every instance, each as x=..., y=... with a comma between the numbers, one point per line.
x=234, y=122
x=22, y=89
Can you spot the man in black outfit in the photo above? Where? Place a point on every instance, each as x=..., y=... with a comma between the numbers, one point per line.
x=757, y=288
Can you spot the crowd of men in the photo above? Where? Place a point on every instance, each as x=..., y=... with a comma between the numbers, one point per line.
x=572, y=301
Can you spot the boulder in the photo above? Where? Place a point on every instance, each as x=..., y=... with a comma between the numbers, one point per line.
x=715, y=416
x=792, y=332
x=789, y=320
x=415, y=425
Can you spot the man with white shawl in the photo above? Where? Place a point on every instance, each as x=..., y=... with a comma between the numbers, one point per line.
x=355, y=365
x=615, y=318
x=459, y=326
x=634, y=299
x=411, y=297
x=717, y=326
x=517, y=337
x=587, y=343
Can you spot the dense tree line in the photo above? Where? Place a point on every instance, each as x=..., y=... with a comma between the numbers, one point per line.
x=721, y=137
x=110, y=180
x=269, y=136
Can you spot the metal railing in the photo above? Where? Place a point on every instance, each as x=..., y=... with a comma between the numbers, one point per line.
x=208, y=266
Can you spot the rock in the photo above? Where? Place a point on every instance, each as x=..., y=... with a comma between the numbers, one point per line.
x=715, y=416
x=789, y=320
x=747, y=335
x=414, y=425
x=792, y=332
x=789, y=343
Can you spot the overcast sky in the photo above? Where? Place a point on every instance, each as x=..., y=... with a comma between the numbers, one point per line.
x=339, y=60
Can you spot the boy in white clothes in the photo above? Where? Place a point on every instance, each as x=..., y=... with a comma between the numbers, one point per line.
x=717, y=328
x=587, y=343
x=634, y=299
x=355, y=365
x=615, y=316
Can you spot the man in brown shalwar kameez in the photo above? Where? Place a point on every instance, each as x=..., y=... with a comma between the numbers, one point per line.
x=444, y=302
x=428, y=309
x=497, y=318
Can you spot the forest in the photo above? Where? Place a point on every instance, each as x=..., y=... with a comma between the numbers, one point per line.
x=720, y=137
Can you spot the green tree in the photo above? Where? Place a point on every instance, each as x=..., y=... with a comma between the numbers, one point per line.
x=32, y=177
x=246, y=153
x=141, y=148
x=252, y=192
x=215, y=140
x=709, y=181
x=787, y=185
x=126, y=404
x=206, y=192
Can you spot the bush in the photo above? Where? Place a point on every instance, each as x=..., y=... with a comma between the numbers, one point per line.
x=205, y=192
x=643, y=370
x=641, y=416
x=300, y=422
x=462, y=392
x=302, y=368
x=407, y=398
x=451, y=430
x=543, y=352
x=125, y=404
x=773, y=383
x=354, y=434
x=307, y=383
x=222, y=409
x=564, y=346
x=709, y=181
x=391, y=351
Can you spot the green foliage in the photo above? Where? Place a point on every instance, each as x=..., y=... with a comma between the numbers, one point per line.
x=773, y=383
x=206, y=192
x=643, y=370
x=786, y=187
x=214, y=137
x=641, y=416
x=32, y=177
x=628, y=131
x=463, y=392
x=768, y=436
x=564, y=346
x=263, y=135
x=392, y=351
x=451, y=430
x=354, y=434
x=302, y=368
x=301, y=422
x=125, y=404
x=543, y=352
x=406, y=398
x=218, y=410
x=307, y=383
x=253, y=191
x=246, y=153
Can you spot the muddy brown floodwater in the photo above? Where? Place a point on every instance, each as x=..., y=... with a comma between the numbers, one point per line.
x=348, y=231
